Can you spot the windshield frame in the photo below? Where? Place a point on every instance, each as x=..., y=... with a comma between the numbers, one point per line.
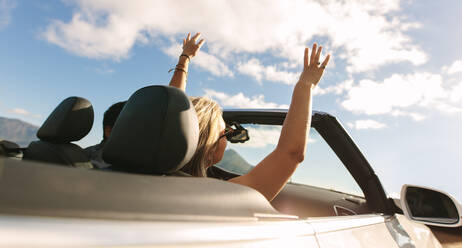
x=338, y=140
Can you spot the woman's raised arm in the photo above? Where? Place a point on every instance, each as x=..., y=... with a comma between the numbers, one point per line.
x=190, y=49
x=273, y=172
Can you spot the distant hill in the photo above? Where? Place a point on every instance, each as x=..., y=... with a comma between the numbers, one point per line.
x=17, y=131
x=233, y=162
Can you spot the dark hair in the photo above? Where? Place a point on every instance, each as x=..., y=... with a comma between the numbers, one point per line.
x=111, y=114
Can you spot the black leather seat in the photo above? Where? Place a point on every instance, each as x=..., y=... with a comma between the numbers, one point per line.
x=10, y=149
x=70, y=121
x=156, y=133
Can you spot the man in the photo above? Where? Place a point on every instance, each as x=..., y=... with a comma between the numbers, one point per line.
x=95, y=153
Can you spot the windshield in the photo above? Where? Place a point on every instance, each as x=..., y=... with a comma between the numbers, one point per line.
x=321, y=167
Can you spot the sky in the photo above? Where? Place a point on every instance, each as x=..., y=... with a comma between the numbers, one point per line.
x=394, y=79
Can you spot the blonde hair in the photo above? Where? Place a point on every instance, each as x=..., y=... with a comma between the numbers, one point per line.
x=209, y=115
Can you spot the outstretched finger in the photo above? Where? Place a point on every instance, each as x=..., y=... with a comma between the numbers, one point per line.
x=313, y=54
x=184, y=42
x=305, y=58
x=196, y=36
x=188, y=37
x=201, y=42
x=318, y=55
x=326, y=60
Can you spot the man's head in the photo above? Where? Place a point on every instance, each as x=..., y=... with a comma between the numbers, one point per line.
x=110, y=117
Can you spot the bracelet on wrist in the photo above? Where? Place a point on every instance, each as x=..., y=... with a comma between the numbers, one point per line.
x=180, y=66
x=178, y=69
x=181, y=69
x=187, y=56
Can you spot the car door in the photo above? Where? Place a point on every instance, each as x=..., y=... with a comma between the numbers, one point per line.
x=335, y=188
x=356, y=231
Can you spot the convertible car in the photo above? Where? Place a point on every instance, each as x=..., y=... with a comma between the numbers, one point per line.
x=50, y=196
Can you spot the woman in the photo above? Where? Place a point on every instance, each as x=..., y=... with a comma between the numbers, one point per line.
x=280, y=164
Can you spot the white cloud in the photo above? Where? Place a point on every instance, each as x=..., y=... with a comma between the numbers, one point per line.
x=366, y=124
x=254, y=68
x=213, y=64
x=396, y=93
x=456, y=93
x=414, y=116
x=251, y=68
x=241, y=101
x=84, y=37
x=204, y=60
x=19, y=111
x=263, y=136
x=23, y=112
x=447, y=108
x=6, y=6
x=399, y=93
x=361, y=32
x=336, y=89
x=454, y=68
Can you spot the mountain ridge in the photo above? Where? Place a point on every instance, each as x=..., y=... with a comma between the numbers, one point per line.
x=233, y=162
x=17, y=131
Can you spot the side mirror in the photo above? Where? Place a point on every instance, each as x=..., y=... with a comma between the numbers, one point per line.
x=431, y=207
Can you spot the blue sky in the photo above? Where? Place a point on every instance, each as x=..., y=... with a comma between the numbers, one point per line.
x=394, y=81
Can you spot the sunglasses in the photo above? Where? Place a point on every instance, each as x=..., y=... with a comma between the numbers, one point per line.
x=235, y=135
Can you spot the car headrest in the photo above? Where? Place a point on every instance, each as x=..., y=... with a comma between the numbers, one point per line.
x=156, y=132
x=70, y=121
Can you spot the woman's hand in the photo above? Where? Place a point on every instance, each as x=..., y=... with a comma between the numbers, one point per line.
x=190, y=47
x=312, y=69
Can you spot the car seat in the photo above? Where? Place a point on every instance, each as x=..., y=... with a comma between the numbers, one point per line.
x=156, y=133
x=71, y=120
x=10, y=149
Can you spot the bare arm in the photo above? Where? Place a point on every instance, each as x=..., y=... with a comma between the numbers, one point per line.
x=190, y=49
x=273, y=172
